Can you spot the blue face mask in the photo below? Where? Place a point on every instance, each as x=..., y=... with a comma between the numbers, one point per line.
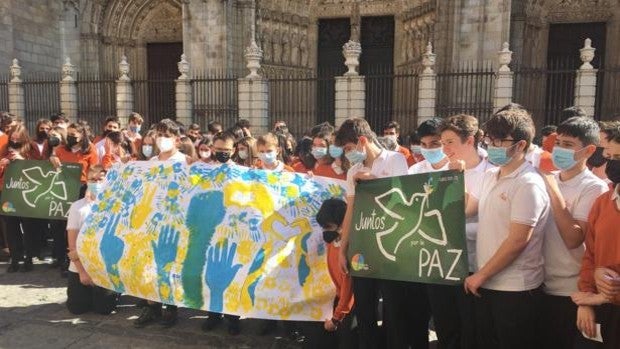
x=355, y=156
x=563, y=158
x=416, y=149
x=498, y=156
x=269, y=158
x=95, y=188
x=319, y=152
x=335, y=151
x=434, y=155
x=135, y=128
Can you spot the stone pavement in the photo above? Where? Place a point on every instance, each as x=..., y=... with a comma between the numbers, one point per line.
x=33, y=315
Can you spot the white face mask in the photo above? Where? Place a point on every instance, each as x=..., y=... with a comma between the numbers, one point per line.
x=165, y=144
x=243, y=154
x=204, y=154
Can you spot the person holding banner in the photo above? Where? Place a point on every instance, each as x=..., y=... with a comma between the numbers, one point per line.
x=18, y=149
x=430, y=147
x=572, y=192
x=369, y=161
x=513, y=209
x=270, y=153
x=451, y=308
x=82, y=295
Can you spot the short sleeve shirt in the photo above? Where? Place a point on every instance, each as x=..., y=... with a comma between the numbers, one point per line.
x=387, y=164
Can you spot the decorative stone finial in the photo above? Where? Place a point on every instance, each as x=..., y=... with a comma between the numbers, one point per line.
x=68, y=70
x=428, y=59
x=351, y=52
x=253, y=55
x=504, y=57
x=16, y=71
x=123, y=68
x=587, y=55
x=183, y=67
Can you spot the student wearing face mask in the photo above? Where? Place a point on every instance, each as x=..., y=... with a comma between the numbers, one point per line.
x=78, y=149
x=430, y=148
x=246, y=154
x=134, y=127
x=82, y=295
x=205, y=150
x=148, y=149
x=326, y=166
x=21, y=247
x=392, y=130
x=599, y=278
x=111, y=124
x=513, y=209
x=269, y=153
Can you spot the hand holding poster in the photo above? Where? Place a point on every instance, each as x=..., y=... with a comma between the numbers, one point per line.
x=34, y=188
x=410, y=228
x=222, y=238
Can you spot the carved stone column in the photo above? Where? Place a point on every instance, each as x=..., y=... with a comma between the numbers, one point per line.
x=183, y=89
x=124, y=92
x=254, y=92
x=585, y=82
x=350, y=88
x=68, y=91
x=503, y=79
x=427, y=88
x=17, y=102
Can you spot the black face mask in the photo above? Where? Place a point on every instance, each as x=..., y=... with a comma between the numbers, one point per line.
x=222, y=156
x=597, y=159
x=613, y=171
x=41, y=135
x=15, y=145
x=330, y=235
x=53, y=141
x=72, y=140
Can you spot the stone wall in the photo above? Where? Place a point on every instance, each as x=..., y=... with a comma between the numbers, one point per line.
x=30, y=32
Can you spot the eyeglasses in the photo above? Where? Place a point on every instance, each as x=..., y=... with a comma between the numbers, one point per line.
x=497, y=142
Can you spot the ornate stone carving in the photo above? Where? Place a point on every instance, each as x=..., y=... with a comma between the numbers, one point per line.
x=276, y=41
x=253, y=55
x=295, y=57
x=183, y=67
x=428, y=59
x=16, y=71
x=587, y=55
x=351, y=52
x=540, y=12
x=68, y=70
x=303, y=49
x=123, y=68
x=504, y=57
x=286, y=48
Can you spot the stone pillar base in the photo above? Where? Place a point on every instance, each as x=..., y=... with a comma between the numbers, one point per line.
x=69, y=99
x=426, y=97
x=350, y=98
x=124, y=100
x=585, y=90
x=183, y=91
x=254, y=103
x=503, y=90
x=17, y=102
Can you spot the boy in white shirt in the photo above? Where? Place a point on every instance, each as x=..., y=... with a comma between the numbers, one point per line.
x=572, y=191
x=368, y=161
x=513, y=209
x=430, y=141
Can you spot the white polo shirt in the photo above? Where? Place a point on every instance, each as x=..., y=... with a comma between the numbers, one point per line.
x=425, y=167
x=520, y=197
x=562, y=265
x=176, y=157
x=77, y=214
x=473, y=183
x=387, y=164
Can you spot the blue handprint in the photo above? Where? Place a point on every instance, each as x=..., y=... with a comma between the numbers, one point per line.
x=129, y=198
x=165, y=252
x=220, y=272
x=256, y=265
x=255, y=232
x=111, y=249
x=303, y=269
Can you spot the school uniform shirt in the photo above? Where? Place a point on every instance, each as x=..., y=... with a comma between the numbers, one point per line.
x=342, y=281
x=426, y=167
x=602, y=240
x=281, y=167
x=408, y=156
x=540, y=158
x=328, y=170
x=100, y=146
x=561, y=264
x=176, y=157
x=86, y=160
x=473, y=184
x=387, y=164
x=520, y=197
x=39, y=151
x=77, y=214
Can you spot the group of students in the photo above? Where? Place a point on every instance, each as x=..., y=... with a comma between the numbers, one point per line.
x=544, y=253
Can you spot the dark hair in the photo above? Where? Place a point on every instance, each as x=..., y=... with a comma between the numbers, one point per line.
x=324, y=127
x=332, y=211
x=611, y=129
x=112, y=119
x=352, y=129
x=59, y=116
x=243, y=123
x=6, y=118
x=207, y=140
x=571, y=112
x=429, y=127
x=237, y=132
x=392, y=124
x=464, y=126
x=194, y=127
x=182, y=128
x=304, y=152
x=516, y=123
x=225, y=137
x=42, y=122
x=582, y=127
x=511, y=106
x=167, y=125
x=135, y=117
x=414, y=138
x=83, y=128
x=548, y=130
x=214, y=127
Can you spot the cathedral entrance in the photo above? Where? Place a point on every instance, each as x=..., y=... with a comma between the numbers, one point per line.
x=161, y=59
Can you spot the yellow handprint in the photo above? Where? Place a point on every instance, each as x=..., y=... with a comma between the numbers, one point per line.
x=143, y=208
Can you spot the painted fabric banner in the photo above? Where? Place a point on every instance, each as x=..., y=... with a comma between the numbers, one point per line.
x=410, y=228
x=222, y=238
x=34, y=188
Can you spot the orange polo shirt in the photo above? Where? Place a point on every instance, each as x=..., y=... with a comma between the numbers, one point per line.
x=86, y=160
x=602, y=241
x=343, y=283
x=326, y=170
x=407, y=153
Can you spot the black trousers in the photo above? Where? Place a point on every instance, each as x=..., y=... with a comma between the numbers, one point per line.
x=406, y=314
x=38, y=229
x=82, y=299
x=19, y=242
x=508, y=320
x=366, y=293
x=558, y=325
x=317, y=337
x=452, y=311
x=608, y=315
x=59, y=234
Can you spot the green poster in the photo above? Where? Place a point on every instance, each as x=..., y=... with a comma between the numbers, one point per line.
x=410, y=228
x=34, y=188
